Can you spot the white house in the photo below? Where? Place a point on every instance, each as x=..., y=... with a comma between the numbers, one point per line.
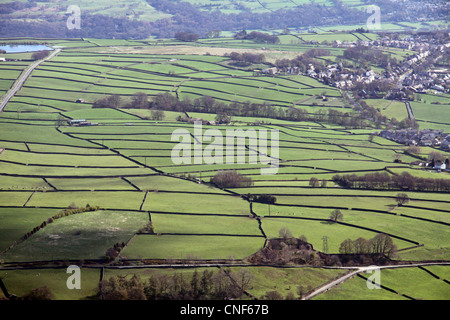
x=440, y=166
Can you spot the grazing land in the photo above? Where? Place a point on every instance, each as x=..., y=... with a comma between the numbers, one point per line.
x=161, y=214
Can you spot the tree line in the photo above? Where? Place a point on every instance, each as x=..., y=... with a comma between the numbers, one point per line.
x=206, y=104
x=92, y=26
x=246, y=58
x=304, y=61
x=385, y=181
x=381, y=244
x=222, y=285
x=364, y=54
x=231, y=179
x=257, y=36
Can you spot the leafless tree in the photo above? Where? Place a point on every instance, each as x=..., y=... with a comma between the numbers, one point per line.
x=336, y=215
x=402, y=198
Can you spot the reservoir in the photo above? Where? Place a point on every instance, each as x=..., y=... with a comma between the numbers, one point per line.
x=24, y=48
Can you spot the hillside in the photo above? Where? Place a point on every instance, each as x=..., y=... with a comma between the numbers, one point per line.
x=141, y=19
x=89, y=176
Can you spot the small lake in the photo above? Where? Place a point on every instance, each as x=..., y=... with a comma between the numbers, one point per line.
x=24, y=48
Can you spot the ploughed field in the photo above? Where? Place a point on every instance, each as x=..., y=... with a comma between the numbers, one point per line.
x=125, y=167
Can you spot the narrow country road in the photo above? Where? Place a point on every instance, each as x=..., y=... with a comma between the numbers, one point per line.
x=410, y=111
x=23, y=77
x=347, y=276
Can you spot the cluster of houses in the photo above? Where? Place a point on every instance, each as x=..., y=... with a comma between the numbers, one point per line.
x=426, y=137
x=438, y=81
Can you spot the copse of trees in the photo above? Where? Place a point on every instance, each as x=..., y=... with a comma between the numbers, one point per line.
x=314, y=182
x=39, y=294
x=365, y=54
x=231, y=179
x=139, y=101
x=262, y=198
x=186, y=36
x=384, y=181
x=93, y=26
x=222, y=285
x=111, y=101
x=246, y=57
x=257, y=36
x=381, y=244
x=40, y=55
x=303, y=62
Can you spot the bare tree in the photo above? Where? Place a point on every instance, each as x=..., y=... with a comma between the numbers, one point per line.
x=272, y=295
x=436, y=156
x=314, y=182
x=336, y=215
x=157, y=115
x=139, y=101
x=402, y=198
x=285, y=233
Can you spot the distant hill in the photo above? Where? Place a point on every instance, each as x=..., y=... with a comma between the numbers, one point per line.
x=141, y=19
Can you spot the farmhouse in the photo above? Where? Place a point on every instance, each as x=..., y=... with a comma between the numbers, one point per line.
x=82, y=123
x=440, y=166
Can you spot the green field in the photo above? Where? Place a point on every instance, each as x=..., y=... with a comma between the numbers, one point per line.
x=124, y=166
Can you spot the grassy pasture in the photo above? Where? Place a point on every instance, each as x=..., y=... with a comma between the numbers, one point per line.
x=37, y=170
x=315, y=230
x=62, y=184
x=21, y=183
x=187, y=224
x=282, y=280
x=205, y=203
x=356, y=289
x=191, y=246
x=105, y=199
x=415, y=283
x=21, y=282
x=161, y=183
x=12, y=228
x=84, y=236
x=104, y=165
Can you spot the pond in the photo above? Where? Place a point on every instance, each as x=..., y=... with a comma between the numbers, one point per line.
x=24, y=48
